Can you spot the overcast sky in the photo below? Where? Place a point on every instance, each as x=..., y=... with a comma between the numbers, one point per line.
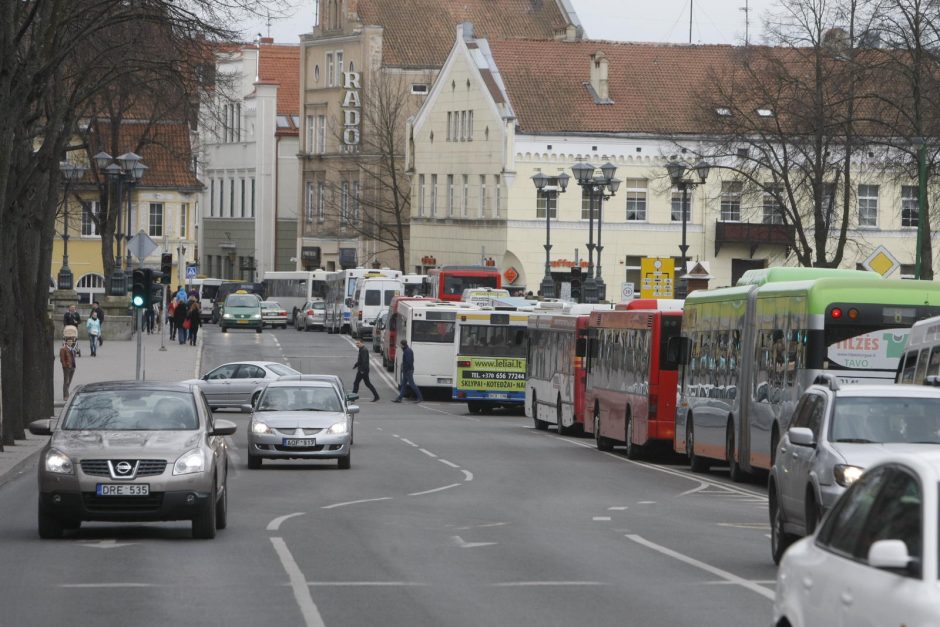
x=713, y=21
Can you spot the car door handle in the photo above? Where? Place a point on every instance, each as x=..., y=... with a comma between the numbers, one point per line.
x=807, y=582
x=847, y=598
x=795, y=454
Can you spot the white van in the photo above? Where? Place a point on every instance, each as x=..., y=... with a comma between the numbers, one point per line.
x=370, y=298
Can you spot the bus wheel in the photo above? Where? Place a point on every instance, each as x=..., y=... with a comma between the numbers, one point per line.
x=633, y=450
x=541, y=425
x=562, y=429
x=734, y=468
x=473, y=407
x=696, y=463
x=602, y=443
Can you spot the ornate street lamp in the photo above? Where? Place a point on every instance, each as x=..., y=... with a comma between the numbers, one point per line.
x=596, y=187
x=125, y=169
x=551, y=194
x=71, y=173
x=677, y=171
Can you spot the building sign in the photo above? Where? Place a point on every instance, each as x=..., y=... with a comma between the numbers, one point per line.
x=657, y=274
x=351, y=108
x=310, y=256
x=511, y=274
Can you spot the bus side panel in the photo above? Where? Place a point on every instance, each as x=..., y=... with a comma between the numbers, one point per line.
x=662, y=427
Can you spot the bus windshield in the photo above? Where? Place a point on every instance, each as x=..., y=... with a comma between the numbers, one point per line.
x=432, y=331
x=492, y=341
x=455, y=285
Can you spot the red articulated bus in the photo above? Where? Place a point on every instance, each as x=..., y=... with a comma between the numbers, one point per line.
x=448, y=283
x=630, y=394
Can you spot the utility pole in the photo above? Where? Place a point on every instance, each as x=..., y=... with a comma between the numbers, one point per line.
x=747, y=21
x=691, y=9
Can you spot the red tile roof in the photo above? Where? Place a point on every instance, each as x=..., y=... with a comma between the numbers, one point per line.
x=165, y=149
x=420, y=33
x=280, y=64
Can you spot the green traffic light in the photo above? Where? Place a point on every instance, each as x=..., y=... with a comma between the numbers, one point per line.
x=138, y=301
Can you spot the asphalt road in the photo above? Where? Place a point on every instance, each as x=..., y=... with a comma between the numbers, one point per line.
x=445, y=518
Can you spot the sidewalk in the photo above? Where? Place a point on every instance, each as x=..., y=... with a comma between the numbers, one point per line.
x=116, y=360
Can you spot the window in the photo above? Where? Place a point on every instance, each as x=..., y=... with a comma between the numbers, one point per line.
x=330, y=76
x=677, y=208
x=311, y=128
x=463, y=125
x=321, y=135
x=308, y=202
x=231, y=198
x=450, y=125
x=238, y=122
x=344, y=202
x=252, y=197
x=419, y=88
x=547, y=199
x=339, y=67
x=321, y=201
x=841, y=529
x=243, y=198
x=636, y=200
x=773, y=212
x=723, y=111
x=90, y=210
x=421, y=195
x=765, y=112
x=221, y=197
x=211, y=197
x=586, y=205
x=156, y=219
x=868, y=205
x=433, y=194
x=497, y=190
x=634, y=270
x=909, y=205
x=465, y=200
x=450, y=194
x=731, y=201
x=482, y=195
x=469, y=126
x=354, y=211
x=184, y=220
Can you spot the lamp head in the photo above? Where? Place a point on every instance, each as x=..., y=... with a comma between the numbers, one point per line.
x=609, y=169
x=127, y=161
x=540, y=180
x=583, y=172
x=563, y=179
x=676, y=170
x=702, y=168
x=102, y=159
x=613, y=186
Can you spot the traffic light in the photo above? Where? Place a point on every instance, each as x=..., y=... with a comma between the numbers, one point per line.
x=576, y=284
x=142, y=284
x=166, y=267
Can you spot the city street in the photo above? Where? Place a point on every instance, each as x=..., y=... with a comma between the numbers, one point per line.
x=445, y=518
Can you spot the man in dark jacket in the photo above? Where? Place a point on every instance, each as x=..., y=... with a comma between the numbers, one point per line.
x=71, y=318
x=408, y=373
x=362, y=370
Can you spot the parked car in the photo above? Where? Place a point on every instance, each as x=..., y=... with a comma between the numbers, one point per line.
x=835, y=433
x=236, y=383
x=378, y=331
x=241, y=311
x=273, y=315
x=874, y=558
x=311, y=316
x=134, y=451
x=300, y=419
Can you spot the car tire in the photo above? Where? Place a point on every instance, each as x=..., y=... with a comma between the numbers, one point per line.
x=780, y=540
x=634, y=451
x=559, y=411
x=259, y=329
x=473, y=407
x=254, y=398
x=254, y=462
x=204, y=522
x=221, y=508
x=50, y=527
x=541, y=425
x=602, y=443
x=224, y=329
x=344, y=462
x=696, y=464
x=297, y=326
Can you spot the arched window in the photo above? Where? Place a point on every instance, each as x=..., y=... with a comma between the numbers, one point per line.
x=89, y=287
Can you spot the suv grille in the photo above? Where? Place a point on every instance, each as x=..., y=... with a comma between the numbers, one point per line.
x=95, y=503
x=145, y=468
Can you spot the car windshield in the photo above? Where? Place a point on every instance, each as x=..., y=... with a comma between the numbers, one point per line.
x=319, y=306
x=241, y=300
x=132, y=410
x=886, y=419
x=268, y=305
x=299, y=398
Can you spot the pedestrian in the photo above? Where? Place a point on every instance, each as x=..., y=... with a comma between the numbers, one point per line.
x=195, y=319
x=93, y=326
x=149, y=319
x=179, y=314
x=96, y=308
x=67, y=359
x=408, y=373
x=160, y=317
x=71, y=318
x=362, y=370
x=180, y=293
x=171, y=318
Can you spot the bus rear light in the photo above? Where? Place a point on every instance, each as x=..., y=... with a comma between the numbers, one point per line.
x=836, y=313
x=853, y=313
x=360, y=315
x=461, y=395
x=578, y=363
x=463, y=364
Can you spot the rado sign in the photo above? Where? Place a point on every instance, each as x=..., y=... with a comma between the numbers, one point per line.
x=351, y=108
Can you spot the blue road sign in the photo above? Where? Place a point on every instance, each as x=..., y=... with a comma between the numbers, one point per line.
x=192, y=271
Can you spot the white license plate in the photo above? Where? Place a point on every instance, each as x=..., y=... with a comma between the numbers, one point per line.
x=498, y=396
x=123, y=489
x=445, y=380
x=299, y=442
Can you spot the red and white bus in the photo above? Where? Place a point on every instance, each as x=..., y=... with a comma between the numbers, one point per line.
x=449, y=282
x=555, y=373
x=630, y=394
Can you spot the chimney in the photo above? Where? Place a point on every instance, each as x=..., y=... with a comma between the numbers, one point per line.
x=266, y=40
x=599, y=76
x=465, y=30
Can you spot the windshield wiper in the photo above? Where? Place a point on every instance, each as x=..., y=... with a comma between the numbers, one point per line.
x=855, y=441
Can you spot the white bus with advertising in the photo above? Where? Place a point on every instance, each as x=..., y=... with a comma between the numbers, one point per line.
x=340, y=291
x=429, y=327
x=371, y=296
x=294, y=288
x=490, y=351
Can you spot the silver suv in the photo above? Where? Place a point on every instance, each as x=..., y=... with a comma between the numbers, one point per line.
x=134, y=451
x=837, y=431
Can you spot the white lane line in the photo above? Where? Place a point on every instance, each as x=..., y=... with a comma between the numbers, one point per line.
x=335, y=505
x=617, y=508
x=757, y=526
x=691, y=561
x=446, y=487
x=298, y=583
x=533, y=584
x=395, y=435
x=701, y=486
x=379, y=429
x=427, y=452
x=275, y=524
x=601, y=518
x=463, y=544
x=408, y=442
x=449, y=413
x=110, y=585
x=483, y=526
x=646, y=502
x=447, y=463
x=364, y=584
x=468, y=476
x=760, y=582
x=276, y=343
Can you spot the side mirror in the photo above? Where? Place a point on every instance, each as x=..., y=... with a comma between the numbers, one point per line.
x=801, y=436
x=41, y=427
x=352, y=396
x=353, y=410
x=889, y=555
x=224, y=427
x=246, y=409
x=678, y=350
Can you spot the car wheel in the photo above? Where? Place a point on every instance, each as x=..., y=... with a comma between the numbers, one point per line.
x=602, y=443
x=345, y=461
x=224, y=329
x=221, y=508
x=259, y=329
x=774, y=443
x=780, y=540
x=297, y=326
x=254, y=398
x=734, y=468
x=696, y=464
x=541, y=425
x=633, y=450
x=813, y=512
x=254, y=462
x=204, y=522
x=559, y=411
x=50, y=527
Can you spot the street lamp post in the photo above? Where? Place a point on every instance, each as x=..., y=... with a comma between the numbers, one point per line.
x=126, y=169
x=71, y=173
x=595, y=186
x=677, y=171
x=551, y=193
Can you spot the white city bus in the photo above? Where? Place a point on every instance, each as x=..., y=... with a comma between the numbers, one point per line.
x=292, y=289
x=341, y=290
x=428, y=327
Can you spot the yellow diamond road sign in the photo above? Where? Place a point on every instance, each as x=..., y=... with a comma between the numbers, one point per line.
x=881, y=261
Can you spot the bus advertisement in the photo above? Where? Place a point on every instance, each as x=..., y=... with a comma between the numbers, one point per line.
x=491, y=359
x=292, y=289
x=341, y=290
x=630, y=392
x=429, y=328
x=749, y=351
x=449, y=282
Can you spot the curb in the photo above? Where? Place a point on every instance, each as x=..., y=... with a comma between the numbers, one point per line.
x=199, y=345
x=20, y=467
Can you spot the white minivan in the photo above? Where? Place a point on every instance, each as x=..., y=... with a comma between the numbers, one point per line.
x=370, y=298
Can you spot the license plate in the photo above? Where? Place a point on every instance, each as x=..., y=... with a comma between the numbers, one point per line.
x=123, y=489
x=299, y=442
x=242, y=322
x=498, y=396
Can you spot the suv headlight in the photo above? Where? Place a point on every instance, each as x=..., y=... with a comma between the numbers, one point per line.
x=226, y=315
x=846, y=475
x=256, y=316
x=337, y=429
x=190, y=462
x=59, y=463
x=260, y=428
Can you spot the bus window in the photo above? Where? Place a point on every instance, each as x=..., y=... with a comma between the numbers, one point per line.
x=921, y=367
x=910, y=363
x=431, y=331
x=933, y=367
x=373, y=298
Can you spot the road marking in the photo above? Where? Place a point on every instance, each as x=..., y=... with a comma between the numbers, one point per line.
x=646, y=502
x=760, y=582
x=379, y=429
x=451, y=464
x=275, y=524
x=601, y=518
x=427, y=452
x=106, y=544
x=460, y=542
x=757, y=526
x=691, y=561
x=298, y=583
x=468, y=476
x=446, y=487
x=364, y=584
x=110, y=585
x=533, y=584
x=617, y=508
x=276, y=343
x=408, y=442
x=335, y=505
x=483, y=526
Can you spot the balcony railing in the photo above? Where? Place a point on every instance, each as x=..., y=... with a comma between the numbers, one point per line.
x=754, y=234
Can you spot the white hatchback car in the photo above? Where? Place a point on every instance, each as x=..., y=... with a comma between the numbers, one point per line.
x=874, y=559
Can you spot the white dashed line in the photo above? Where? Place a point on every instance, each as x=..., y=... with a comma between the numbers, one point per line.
x=275, y=524
x=646, y=502
x=451, y=464
x=335, y=505
x=408, y=442
x=467, y=474
x=446, y=487
x=427, y=452
x=601, y=518
x=109, y=585
x=534, y=584
x=617, y=508
x=364, y=584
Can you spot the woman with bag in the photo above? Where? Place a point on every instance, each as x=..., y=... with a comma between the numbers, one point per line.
x=194, y=318
x=182, y=322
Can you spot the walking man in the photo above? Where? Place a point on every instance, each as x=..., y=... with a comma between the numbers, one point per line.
x=67, y=359
x=93, y=325
x=408, y=373
x=362, y=371
x=71, y=318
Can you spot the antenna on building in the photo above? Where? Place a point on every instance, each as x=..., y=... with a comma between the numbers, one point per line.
x=691, y=10
x=747, y=21
x=269, y=24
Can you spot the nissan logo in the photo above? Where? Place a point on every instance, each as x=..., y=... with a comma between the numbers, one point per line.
x=123, y=468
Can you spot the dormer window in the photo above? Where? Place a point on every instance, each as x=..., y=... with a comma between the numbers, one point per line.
x=765, y=112
x=419, y=88
x=723, y=112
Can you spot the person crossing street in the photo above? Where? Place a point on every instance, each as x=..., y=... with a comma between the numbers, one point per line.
x=408, y=373
x=362, y=371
